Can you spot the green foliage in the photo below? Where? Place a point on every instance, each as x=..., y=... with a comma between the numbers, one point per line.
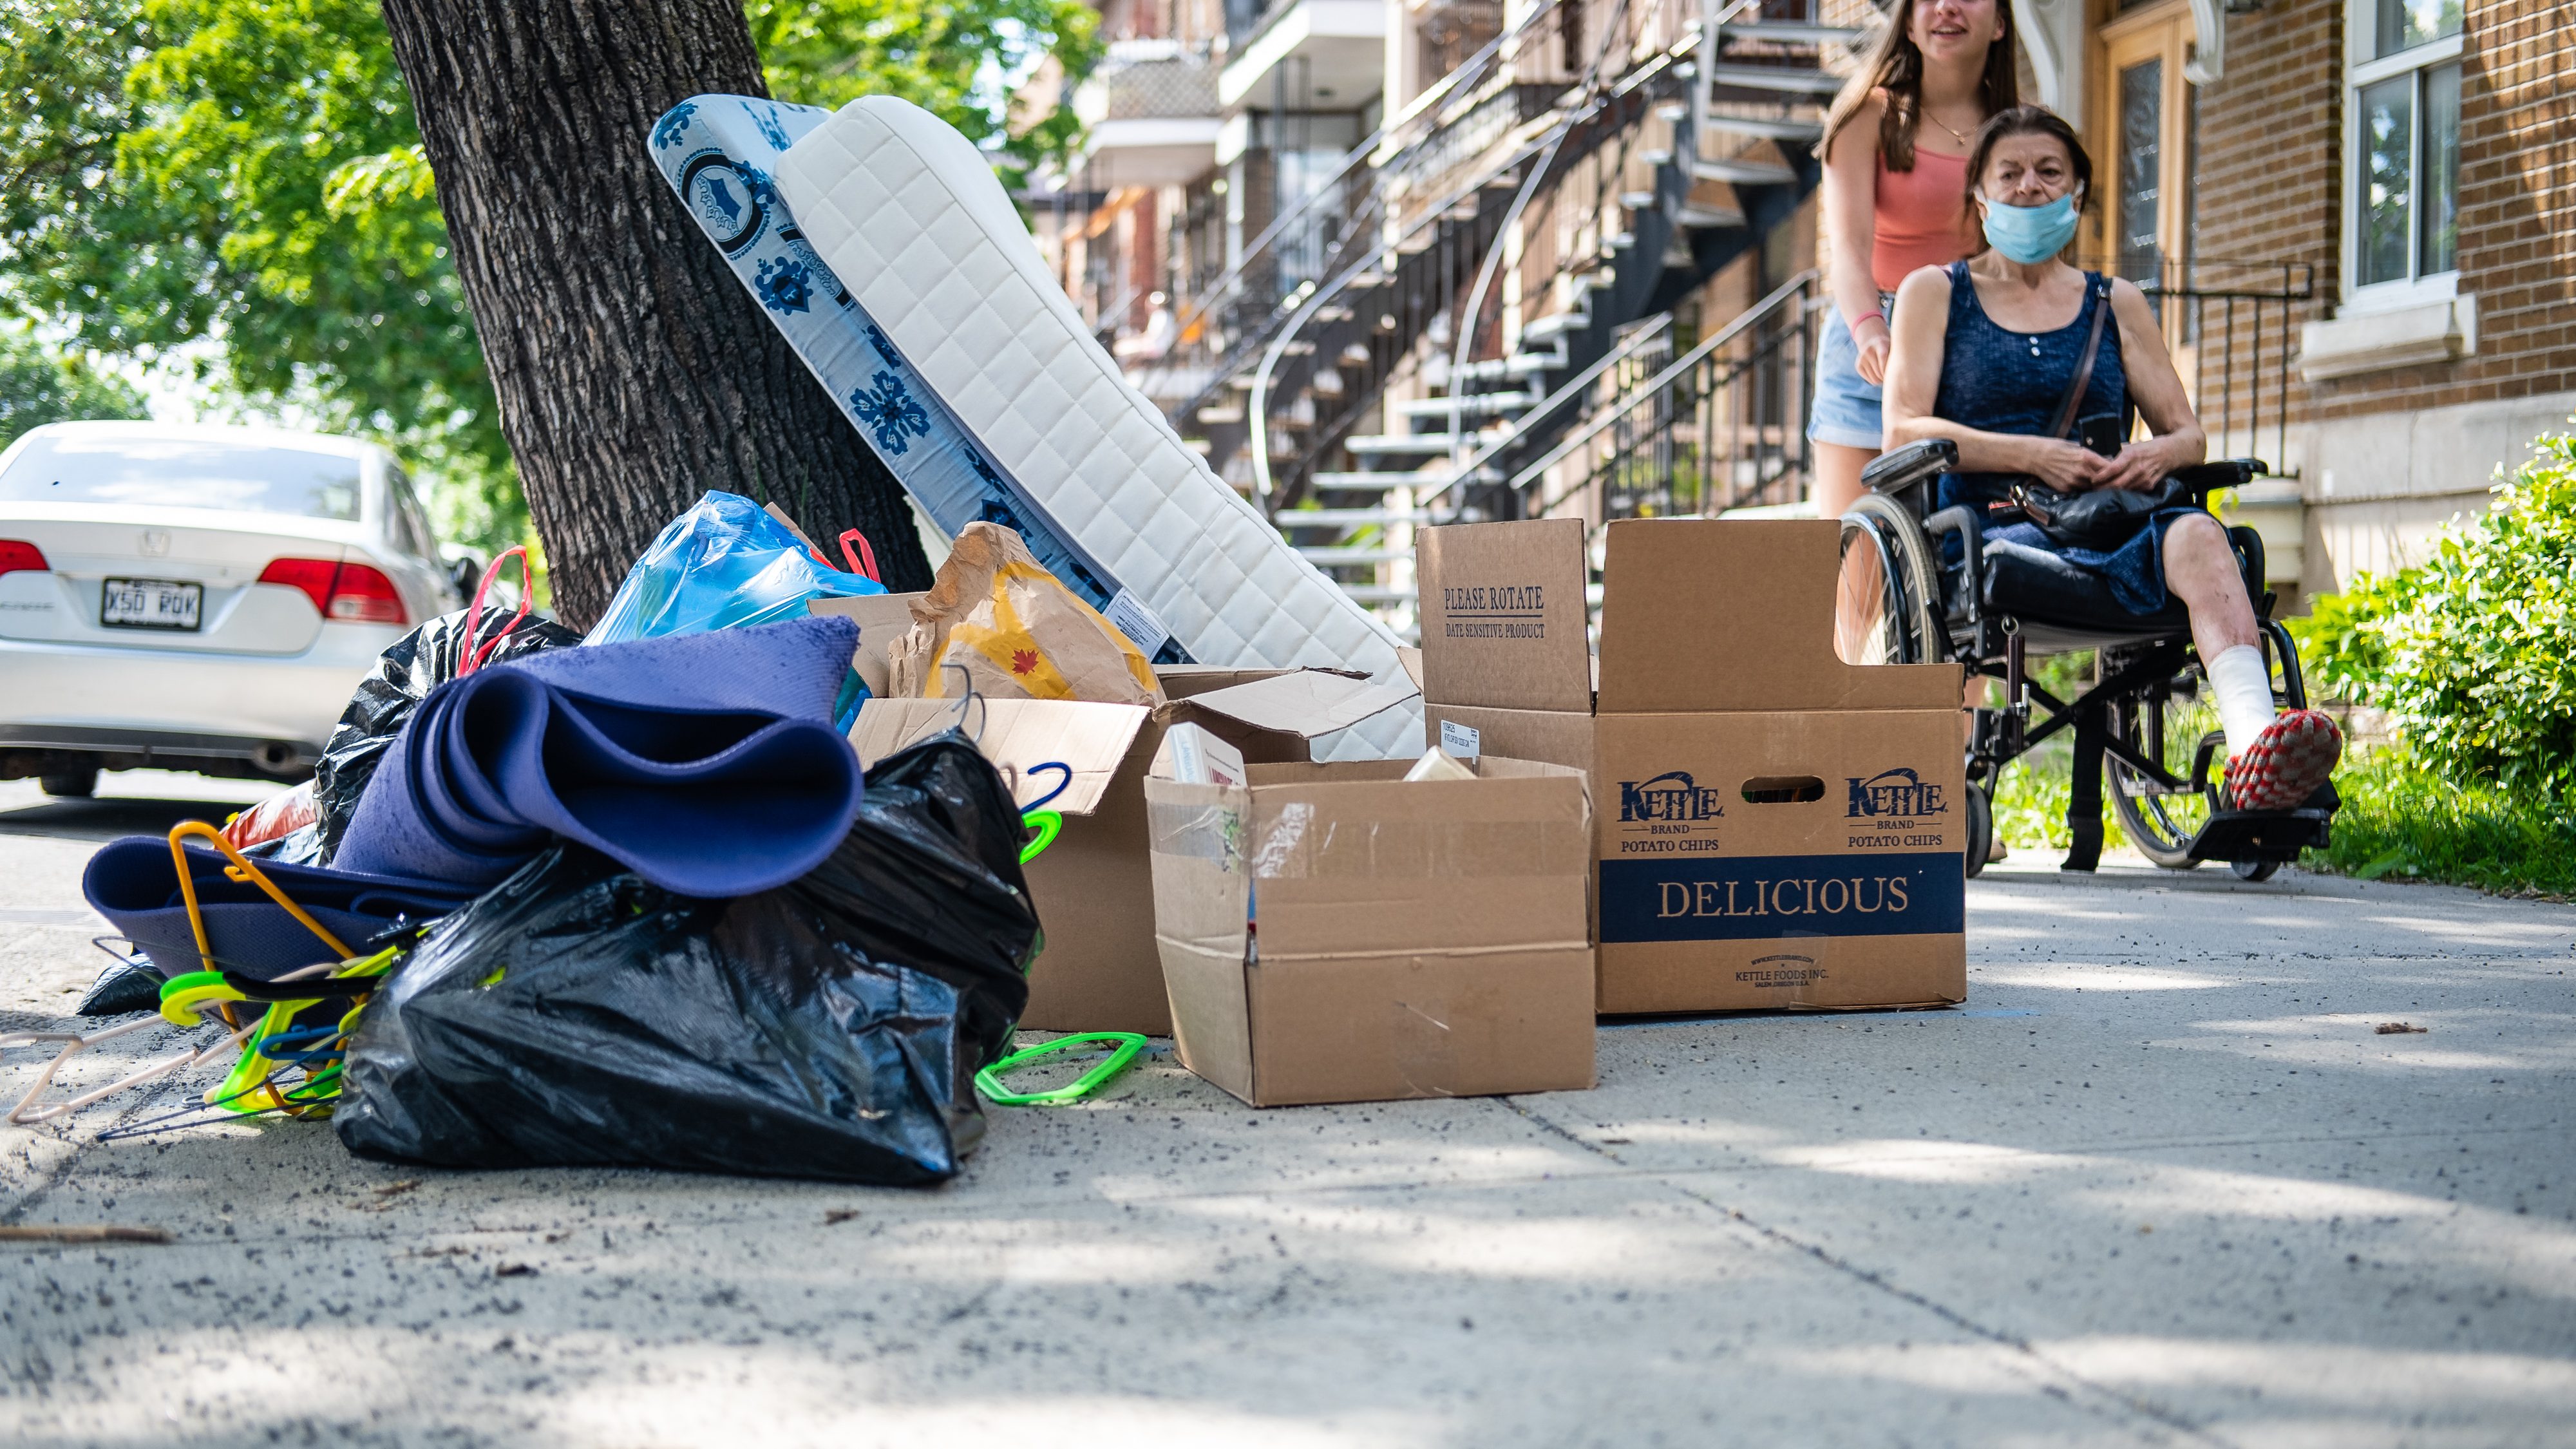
x=62, y=107
x=240, y=183
x=37, y=386
x=953, y=58
x=2402, y=821
x=2031, y=797
x=243, y=179
x=2473, y=651
x=2031, y=794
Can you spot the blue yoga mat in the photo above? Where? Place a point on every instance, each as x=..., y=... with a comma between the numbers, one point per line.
x=132, y=883
x=705, y=763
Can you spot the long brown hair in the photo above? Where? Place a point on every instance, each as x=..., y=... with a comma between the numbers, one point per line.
x=1895, y=65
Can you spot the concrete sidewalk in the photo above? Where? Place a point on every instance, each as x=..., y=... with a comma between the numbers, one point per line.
x=2160, y=1181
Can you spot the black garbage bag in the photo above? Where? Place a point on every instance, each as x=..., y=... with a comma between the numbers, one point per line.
x=830, y=1028
x=417, y=663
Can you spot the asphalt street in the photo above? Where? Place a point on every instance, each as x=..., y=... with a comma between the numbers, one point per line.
x=2163, y=1180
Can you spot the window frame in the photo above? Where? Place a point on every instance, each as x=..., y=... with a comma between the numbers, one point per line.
x=2362, y=70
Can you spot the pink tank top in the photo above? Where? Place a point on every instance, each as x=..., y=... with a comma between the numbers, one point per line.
x=1923, y=217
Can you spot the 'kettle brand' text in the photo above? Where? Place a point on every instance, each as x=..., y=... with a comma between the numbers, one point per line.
x=1668, y=815
x=1894, y=792
x=1495, y=611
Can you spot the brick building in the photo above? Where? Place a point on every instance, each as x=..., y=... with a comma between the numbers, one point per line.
x=2363, y=213
x=2356, y=218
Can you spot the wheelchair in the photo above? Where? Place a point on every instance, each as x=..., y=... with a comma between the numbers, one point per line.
x=2145, y=721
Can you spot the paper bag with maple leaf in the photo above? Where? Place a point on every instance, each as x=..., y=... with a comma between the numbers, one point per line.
x=1017, y=632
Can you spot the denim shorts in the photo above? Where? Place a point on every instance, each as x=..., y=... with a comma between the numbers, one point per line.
x=1846, y=410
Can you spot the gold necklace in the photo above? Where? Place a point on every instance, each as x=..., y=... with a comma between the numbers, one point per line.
x=1944, y=125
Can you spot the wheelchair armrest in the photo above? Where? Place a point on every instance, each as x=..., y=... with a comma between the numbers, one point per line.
x=2202, y=479
x=1901, y=468
x=1963, y=521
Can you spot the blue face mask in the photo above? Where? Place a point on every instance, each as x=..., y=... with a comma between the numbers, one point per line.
x=2031, y=234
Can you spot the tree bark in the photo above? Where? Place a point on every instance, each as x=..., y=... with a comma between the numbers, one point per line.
x=634, y=370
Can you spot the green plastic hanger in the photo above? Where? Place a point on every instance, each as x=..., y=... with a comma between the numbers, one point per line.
x=989, y=1080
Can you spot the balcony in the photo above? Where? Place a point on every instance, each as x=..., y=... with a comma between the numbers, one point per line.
x=1320, y=55
x=1149, y=115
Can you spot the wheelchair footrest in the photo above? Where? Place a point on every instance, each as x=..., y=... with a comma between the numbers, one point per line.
x=2233, y=835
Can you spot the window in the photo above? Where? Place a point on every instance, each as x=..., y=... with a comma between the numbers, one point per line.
x=145, y=470
x=2404, y=159
x=411, y=528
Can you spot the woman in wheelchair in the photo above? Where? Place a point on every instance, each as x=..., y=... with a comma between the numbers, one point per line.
x=2006, y=355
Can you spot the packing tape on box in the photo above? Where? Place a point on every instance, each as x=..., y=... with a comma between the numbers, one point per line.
x=1295, y=845
x=1207, y=829
x=1425, y=1048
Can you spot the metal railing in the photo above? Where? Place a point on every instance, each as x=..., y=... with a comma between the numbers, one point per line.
x=1647, y=335
x=1723, y=426
x=1227, y=323
x=1538, y=151
x=2233, y=328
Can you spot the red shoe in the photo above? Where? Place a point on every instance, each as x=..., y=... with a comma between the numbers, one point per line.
x=2286, y=763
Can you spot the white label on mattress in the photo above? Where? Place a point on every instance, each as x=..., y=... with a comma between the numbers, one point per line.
x=1137, y=622
x=1463, y=742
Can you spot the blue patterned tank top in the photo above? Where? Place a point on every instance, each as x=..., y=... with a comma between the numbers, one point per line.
x=2000, y=381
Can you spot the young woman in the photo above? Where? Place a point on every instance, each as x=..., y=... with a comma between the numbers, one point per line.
x=1985, y=353
x=1896, y=156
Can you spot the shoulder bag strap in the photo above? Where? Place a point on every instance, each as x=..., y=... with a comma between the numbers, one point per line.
x=2084, y=366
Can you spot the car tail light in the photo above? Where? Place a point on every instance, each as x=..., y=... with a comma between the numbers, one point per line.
x=362, y=595
x=16, y=554
x=349, y=593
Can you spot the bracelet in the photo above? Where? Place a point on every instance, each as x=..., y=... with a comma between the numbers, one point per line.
x=1855, y=322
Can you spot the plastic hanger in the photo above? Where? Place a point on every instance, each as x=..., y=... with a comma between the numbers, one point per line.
x=865, y=560
x=474, y=656
x=989, y=1080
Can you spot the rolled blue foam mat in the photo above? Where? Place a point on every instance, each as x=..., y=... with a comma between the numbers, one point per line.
x=133, y=883
x=705, y=763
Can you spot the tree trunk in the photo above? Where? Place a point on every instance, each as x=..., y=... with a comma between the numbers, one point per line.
x=634, y=371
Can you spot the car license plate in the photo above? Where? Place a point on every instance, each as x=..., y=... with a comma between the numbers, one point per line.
x=151, y=604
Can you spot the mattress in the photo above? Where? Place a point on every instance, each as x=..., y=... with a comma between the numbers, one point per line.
x=880, y=243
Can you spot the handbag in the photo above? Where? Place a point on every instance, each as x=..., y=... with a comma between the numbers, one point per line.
x=2101, y=519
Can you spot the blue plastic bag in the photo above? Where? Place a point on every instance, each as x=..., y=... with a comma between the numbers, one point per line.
x=724, y=563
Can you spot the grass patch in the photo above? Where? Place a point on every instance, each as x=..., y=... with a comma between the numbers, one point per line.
x=2398, y=822
x=2031, y=796
x=2401, y=822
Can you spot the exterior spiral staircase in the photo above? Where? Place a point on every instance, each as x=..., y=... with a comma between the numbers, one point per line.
x=1683, y=145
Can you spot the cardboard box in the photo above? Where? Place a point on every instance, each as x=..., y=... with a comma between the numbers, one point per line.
x=1093, y=887
x=1413, y=939
x=882, y=619
x=1775, y=828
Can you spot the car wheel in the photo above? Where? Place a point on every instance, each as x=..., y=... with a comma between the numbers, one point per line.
x=70, y=784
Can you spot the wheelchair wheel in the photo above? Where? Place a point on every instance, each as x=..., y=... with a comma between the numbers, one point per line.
x=1901, y=624
x=1981, y=831
x=2257, y=870
x=2175, y=725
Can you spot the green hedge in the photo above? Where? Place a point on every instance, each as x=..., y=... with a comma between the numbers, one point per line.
x=2473, y=651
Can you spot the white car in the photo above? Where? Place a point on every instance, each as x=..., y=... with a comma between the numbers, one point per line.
x=197, y=598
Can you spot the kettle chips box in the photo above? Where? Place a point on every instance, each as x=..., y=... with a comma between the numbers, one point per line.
x=1777, y=827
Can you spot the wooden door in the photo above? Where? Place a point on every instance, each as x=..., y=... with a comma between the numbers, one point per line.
x=2141, y=143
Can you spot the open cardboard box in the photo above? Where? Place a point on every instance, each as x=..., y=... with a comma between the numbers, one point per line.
x=882, y=619
x=1775, y=828
x=1093, y=887
x=1335, y=933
